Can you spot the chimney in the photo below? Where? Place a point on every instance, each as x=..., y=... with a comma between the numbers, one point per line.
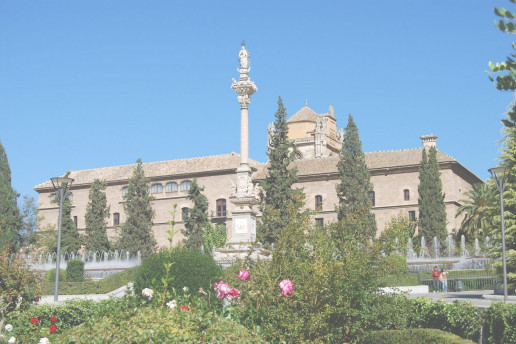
x=429, y=141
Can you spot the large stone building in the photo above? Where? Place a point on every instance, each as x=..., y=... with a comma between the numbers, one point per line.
x=394, y=174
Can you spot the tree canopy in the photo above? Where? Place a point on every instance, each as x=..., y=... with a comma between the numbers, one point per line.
x=97, y=211
x=196, y=220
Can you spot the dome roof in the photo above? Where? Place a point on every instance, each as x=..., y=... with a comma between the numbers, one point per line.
x=304, y=115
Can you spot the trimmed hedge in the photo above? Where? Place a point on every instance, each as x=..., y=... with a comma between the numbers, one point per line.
x=500, y=323
x=75, y=270
x=190, y=268
x=412, y=336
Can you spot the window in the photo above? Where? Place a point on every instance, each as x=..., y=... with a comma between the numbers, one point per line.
x=319, y=222
x=75, y=220
x=412, y=215
x=171, y=187
x=221, y=207
x=70, y=196
x=156, y=188
x=184, y=211
x=185, y=186
x=116, y=219
x=373, y=198
x=406, y=195
x=125, y=191
x=318, y=203
x=53, y=197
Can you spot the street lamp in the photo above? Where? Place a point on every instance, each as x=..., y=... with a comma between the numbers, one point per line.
x=61, y=186
x=500, y=175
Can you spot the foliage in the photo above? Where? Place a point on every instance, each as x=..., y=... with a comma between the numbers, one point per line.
x=393, y=264
x=29, y=214
x=400, y=227
x=413, y=336
x=355, y=185
x=145, y=325
x=196, y=220
x=214, y=237
x=19, y=284
x=97, y=211
x=136, y=233
x=10, y=218
x=50, y=276
x=333, y=299
x=75, y=270
x=277, y=193
x=432, y=210
x=499, y=320
x=190, y=268
x=477, y=210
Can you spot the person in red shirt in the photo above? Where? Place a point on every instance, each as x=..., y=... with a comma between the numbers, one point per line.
x=435, y=278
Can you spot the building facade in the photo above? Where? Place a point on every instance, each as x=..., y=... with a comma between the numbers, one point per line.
x=394, y=175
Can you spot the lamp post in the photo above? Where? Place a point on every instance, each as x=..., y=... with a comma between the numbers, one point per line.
x=61, y=186
x=500, y=175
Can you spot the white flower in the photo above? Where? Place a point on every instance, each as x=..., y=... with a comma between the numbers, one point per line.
x=185, y=289
x=44, y=340
x=147, y=293
x=172, y=304
x=8, y=327
x=1, y=336
x=11, y=340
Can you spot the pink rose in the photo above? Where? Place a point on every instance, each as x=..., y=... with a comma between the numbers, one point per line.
x=233, y=293
x=287, y=287
x=222, y=289
x=243, y=274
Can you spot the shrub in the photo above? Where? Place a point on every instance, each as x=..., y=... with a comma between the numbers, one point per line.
x=413, y=336
x=190, y=268
x=50, y=275
x=145, y=325
x=75, y=270
x=499, y=320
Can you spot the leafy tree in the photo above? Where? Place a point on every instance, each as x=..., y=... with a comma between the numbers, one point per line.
x=10, y=218
x=399, y=227
x=136, y=233
x=355, y=181
x=214, y=237
x=70, y=237
x=477, y=210
x=96, y=213
x=196, y=220
x=29, y=214
x=432, y=210
x=277, y=194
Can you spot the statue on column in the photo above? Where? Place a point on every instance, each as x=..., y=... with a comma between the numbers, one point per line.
x=243, y=57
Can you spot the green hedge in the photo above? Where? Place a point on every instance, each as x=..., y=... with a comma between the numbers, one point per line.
x=412, y=336
x=500, y=323
x=75, y=270
x=102, y=286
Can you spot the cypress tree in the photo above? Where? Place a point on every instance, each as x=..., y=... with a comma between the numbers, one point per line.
x=432, y=210
x=96, y=213
x=136, y=233
x=10, y=218
x=70, y=237
x=196, y=220
x=355, y=184
x=277, y=194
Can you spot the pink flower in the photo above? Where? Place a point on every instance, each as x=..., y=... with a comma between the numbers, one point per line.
x=53, y=329
x=222, y=289
x=243, y=274
x=184, y=308
x=233, y=293
x=34, y=321
x=287, y=287
x=53, y=319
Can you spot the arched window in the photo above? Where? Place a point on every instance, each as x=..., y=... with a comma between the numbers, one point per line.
x=70, y=196
x=116, y=219
x=406, y=195
x=125, y=191
x=75, y=220
x=157, y=188
x=221, y=207
x=171, y=187
x=184, y=212
x=53, y=197
x=373, y=198
x=412, y=215
x=185, y=186
x=319, y=222
x=318, y=203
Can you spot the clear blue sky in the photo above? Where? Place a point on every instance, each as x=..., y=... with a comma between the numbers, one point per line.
x=87, y=84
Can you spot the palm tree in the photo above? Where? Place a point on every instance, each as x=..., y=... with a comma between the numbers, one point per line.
x=478, y=210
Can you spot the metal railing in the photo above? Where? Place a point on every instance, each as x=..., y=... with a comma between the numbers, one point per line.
x=482, y=281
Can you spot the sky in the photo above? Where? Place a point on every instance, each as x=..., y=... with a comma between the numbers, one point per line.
x=88, y=84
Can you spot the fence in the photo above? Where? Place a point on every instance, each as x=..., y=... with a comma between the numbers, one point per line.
x=463, y=280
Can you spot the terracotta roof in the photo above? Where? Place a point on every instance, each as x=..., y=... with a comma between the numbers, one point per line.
x=303, y=115
x=374, y=160
x=156, y=169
